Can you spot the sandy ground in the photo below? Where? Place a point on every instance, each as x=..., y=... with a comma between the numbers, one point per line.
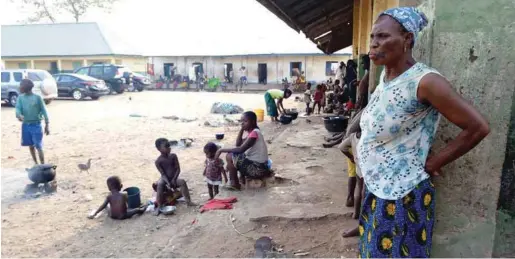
x=306, y=214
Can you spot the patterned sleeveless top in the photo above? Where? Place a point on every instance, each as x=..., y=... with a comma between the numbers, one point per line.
x=397, y=133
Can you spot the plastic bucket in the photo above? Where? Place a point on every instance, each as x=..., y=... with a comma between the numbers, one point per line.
x=134, y=199
x=260, y=113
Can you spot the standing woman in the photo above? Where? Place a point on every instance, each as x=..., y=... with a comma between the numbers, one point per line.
x=340, y=74
x=351, y=76
x=273, y=108
x=398, y=128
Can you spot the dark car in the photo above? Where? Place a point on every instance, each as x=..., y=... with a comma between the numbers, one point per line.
x=140, y=81
x=117, y=78
x=80, y=86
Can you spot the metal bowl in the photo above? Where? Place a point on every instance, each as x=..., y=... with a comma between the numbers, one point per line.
x=168, y=210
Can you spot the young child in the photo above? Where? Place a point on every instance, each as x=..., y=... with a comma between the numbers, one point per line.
x=323, y=102
x=117, y=201
x=349, y=147
x=214, y=170
x=30, y=109
x=307, y=98
x=168, y=166
x=318, y=98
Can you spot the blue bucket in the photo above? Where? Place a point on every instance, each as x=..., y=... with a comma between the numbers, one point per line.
x=134, y=199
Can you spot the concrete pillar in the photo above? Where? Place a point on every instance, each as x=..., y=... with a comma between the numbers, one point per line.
x=84, y=62
x=32, y=65
x=113, y=61
x=59, y=66
x=355, y=28
x=365, y=25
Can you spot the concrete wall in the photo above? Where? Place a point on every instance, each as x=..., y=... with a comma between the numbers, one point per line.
x=278, y=66
x=136, y=64
x=65, y=64
x=471, y=43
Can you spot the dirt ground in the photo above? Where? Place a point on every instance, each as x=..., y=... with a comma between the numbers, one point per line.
x=305, y=214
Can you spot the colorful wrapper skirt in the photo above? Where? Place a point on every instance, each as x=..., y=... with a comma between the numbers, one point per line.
x=398, y=228
x=271, y=107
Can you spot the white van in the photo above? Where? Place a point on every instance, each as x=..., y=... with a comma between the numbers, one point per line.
x=44, y=84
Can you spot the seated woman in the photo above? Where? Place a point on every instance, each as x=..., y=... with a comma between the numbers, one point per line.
x=250, y=156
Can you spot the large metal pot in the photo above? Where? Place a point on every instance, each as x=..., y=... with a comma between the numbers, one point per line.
x=336, y=124
x=42, y=173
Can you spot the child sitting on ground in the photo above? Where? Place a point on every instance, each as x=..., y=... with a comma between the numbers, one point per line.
x=214, y=170
x=307, y=98
x=117, y=201
x=168, y=166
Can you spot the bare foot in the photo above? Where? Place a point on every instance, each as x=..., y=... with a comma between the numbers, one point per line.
x=350, y=202
x=191, y=204
x=351, y=233
x=142, y=209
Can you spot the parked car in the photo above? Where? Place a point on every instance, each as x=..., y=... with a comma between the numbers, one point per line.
x=80, y=86
x=117, y=78
x=140, y=81
x=44, y=84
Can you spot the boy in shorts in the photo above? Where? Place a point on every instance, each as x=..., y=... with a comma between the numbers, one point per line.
x=30, y=109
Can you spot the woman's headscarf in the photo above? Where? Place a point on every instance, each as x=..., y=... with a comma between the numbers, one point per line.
x=410, y=18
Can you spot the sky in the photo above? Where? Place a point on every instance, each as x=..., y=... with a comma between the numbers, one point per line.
x=188, y=27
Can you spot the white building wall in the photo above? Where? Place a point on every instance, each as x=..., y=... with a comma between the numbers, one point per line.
x=278, y=66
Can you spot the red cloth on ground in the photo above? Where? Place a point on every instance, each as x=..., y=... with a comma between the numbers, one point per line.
x=219, y=204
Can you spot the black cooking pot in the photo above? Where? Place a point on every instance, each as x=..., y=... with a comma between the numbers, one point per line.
x=293, y=115
x=336, y=123
x=42, y=173
x=285, y=119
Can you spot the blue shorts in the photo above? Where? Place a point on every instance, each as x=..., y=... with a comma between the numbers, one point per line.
x=32, y=135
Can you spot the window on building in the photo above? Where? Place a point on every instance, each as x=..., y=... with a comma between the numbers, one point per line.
x=330, y=68
x=18, y=76
x=295, y=65
x=6, y=77
x=22, y=65
x=96, y=71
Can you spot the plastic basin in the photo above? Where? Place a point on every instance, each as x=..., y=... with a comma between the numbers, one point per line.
x=134, y=198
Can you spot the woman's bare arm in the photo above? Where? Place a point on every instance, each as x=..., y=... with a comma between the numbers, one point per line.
x=239, y=139
x=362, y=90
x=437, y=91
x=280, y=105
x=249, y=142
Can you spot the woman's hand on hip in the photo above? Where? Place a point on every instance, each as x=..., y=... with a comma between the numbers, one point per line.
x=432, y=168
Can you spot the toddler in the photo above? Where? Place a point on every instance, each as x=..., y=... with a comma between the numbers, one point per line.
x=214, y=170
x=307, y=98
